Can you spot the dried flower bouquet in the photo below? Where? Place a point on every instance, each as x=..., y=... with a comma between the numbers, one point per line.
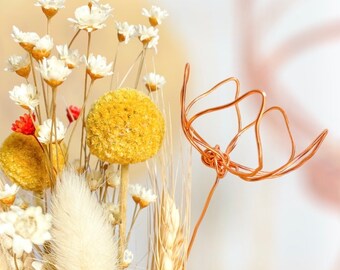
x=78, y=217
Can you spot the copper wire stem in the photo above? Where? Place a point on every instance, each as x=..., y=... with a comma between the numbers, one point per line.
x=200, y=219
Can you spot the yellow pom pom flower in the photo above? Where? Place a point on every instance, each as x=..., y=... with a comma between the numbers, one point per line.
x=124, y=126
x=25, y=163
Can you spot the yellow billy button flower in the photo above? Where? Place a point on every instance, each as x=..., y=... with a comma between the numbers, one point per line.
x=124, y=126
x=24, y=162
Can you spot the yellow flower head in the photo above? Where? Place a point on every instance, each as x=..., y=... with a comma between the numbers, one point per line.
x=124, y=126
x=25, y=163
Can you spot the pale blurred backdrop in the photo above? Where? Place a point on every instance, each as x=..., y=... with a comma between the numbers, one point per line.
x=291, y=50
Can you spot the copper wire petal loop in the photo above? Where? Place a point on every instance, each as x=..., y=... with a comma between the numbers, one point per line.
x=219, y=160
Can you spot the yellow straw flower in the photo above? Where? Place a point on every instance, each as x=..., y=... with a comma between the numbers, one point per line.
x=124, y=126
x=25, y=163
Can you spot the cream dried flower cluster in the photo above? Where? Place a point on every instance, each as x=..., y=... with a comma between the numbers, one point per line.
x=68, y=191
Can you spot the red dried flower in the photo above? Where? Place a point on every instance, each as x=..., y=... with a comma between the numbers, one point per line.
x=24, y=125
x=72, y=113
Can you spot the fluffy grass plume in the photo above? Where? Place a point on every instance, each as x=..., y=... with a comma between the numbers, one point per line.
x=82, y=237
x=3, y=258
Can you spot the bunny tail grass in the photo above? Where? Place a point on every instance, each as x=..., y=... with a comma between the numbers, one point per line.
x=3, y=258
x=82, y=237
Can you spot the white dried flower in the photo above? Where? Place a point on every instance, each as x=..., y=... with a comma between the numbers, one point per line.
x=19, y=64
x=71, y=57
x=37, y=265
x=148, y=36
x=125, y=31
x=44, y=132
x=141, y=195
x=50, y=7
x=54, y=71
x=25, y=227
x=154, y=81
x=91, y=17
x=25, y=96
x=96, y=66
x=112, y=211
x=112, y=176
x=42, y=48
x=95, y=179
x=50, y=4
x=26, y=40
x=127, y=258
x=155, y=15
x=8, y=194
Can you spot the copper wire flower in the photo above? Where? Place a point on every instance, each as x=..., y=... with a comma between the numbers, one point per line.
x=219, y=159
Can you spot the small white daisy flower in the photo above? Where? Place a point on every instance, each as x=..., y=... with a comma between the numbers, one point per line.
x=148, y=36
x=94, y=179
x=25, y=227
x=141, y=195
x=50, y=4
x=154, y=81
x=112, y=176
x=127, y=258
x=71, y=57
x=42, y=48
x=91, y=17
x=112, y=211
x=125, y=31
x=26, y=40
x=37, y=265
x=155, y=15
x=7, y=196
x=54, y=71
x=24, y=96
x=19, y=64
x=97, y=67
x=44, y=132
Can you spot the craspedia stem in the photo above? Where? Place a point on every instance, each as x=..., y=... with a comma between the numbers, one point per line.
x=122, y=205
